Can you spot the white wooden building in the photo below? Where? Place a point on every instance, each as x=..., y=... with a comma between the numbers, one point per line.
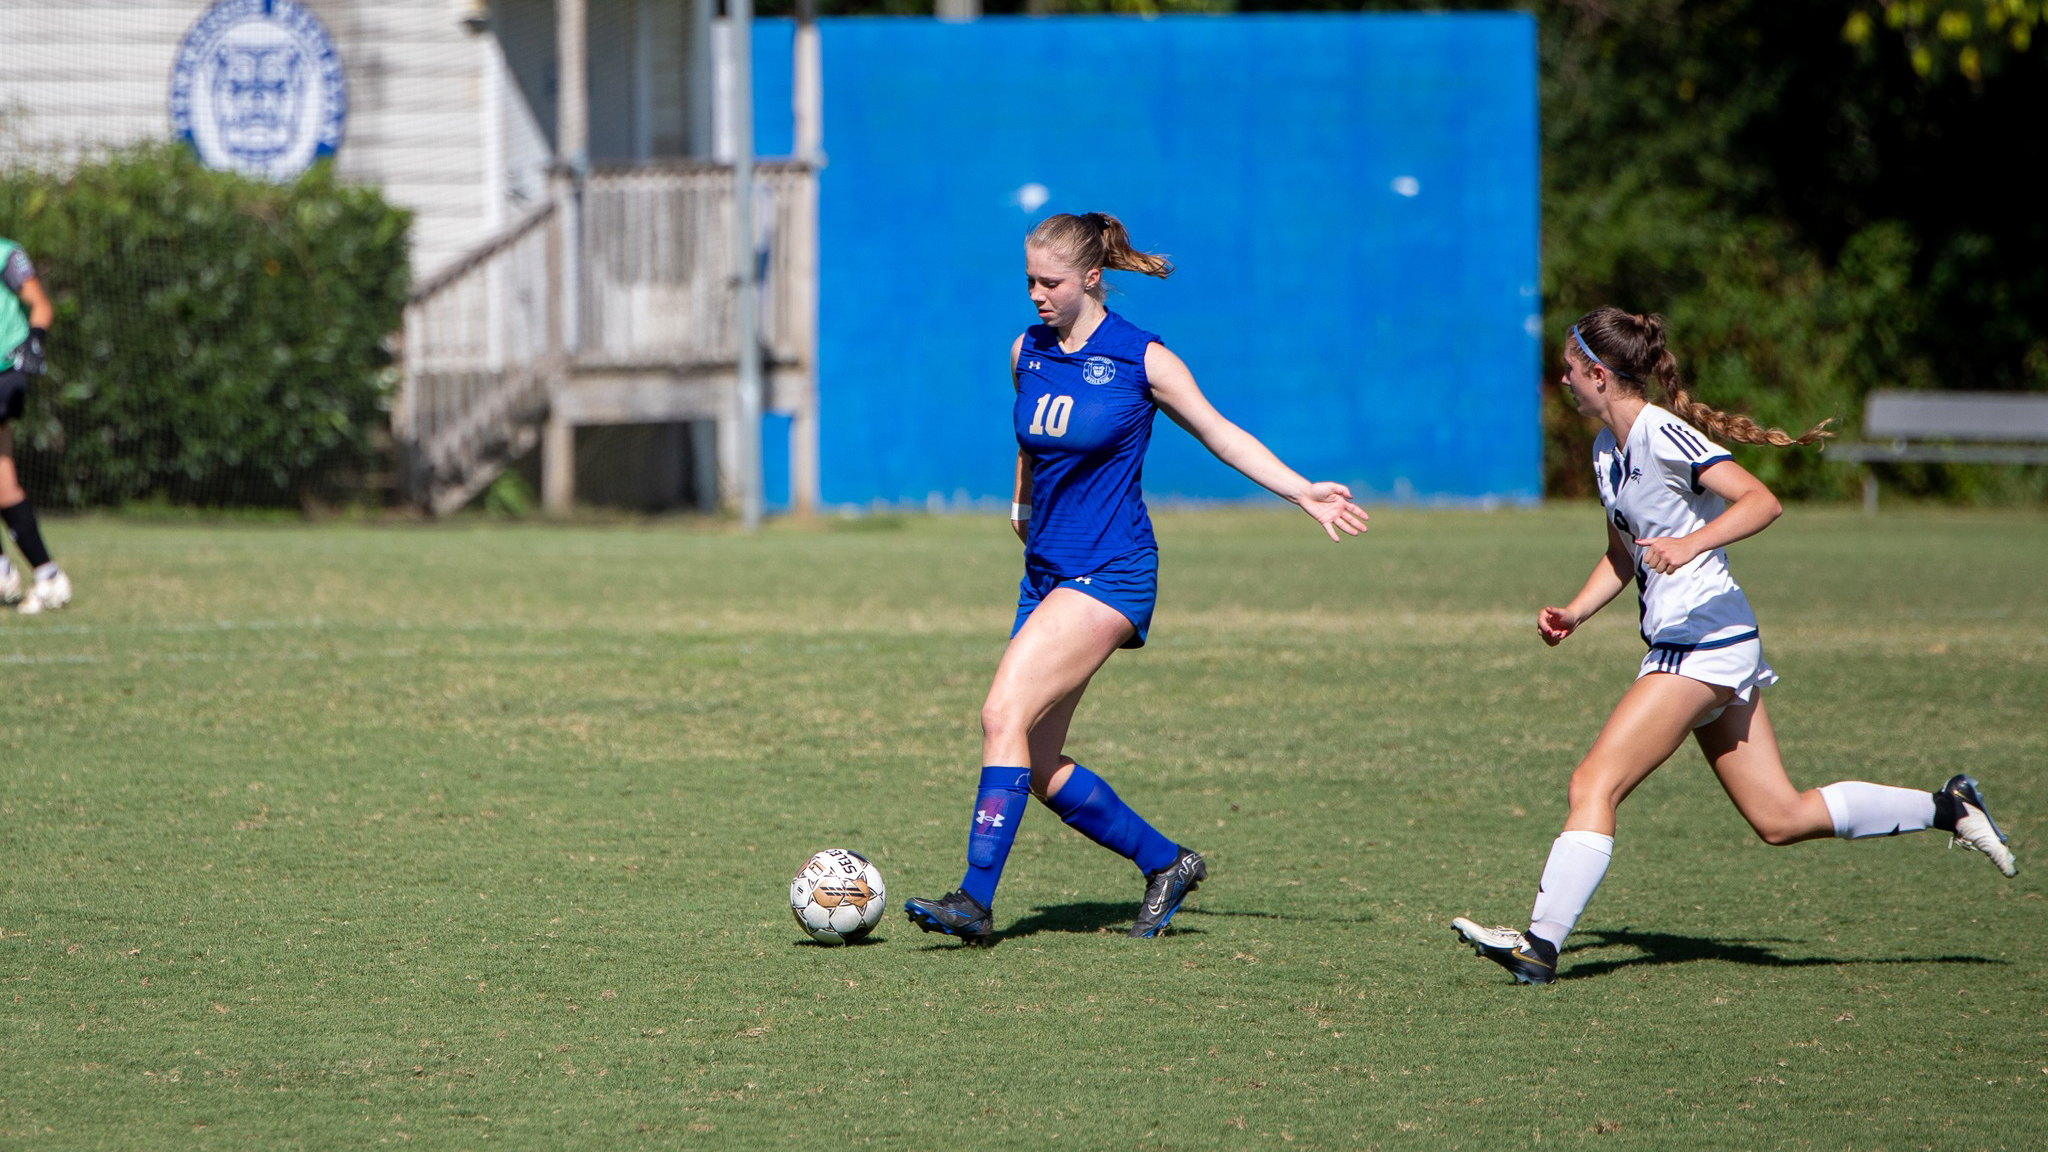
x=573, y=259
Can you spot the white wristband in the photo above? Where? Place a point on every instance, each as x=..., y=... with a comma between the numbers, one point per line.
x=1020, y=512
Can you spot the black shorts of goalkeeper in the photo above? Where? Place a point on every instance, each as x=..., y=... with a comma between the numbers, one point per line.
x=13, y=394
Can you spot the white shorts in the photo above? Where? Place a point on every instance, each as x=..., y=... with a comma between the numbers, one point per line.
x=1738, y=665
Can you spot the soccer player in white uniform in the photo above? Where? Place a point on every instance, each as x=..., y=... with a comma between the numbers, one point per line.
x=1674, y=501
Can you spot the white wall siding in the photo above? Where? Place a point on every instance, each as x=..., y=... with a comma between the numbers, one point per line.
x=408, y=61
x=433, y=116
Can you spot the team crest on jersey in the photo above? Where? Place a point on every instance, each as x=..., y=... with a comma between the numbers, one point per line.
x=1098, y=370
x=257, y=88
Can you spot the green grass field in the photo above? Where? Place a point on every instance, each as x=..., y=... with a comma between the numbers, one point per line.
x=476, y=836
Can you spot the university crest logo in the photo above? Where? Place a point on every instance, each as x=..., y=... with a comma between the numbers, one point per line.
x=257, y=88
x=1098, y=370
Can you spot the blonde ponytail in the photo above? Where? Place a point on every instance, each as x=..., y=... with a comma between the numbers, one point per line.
x=1117, y=253
x=1096, y=240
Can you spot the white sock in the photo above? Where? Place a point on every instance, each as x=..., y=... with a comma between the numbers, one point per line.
x=1578, y=861
x=1860, y=809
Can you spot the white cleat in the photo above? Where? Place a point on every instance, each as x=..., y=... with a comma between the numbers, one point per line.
x=1974, y=827
x=1528, y=960
x=10, y=585
x=47, y=595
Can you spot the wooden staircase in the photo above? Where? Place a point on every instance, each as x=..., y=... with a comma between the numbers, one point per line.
x=613, y=304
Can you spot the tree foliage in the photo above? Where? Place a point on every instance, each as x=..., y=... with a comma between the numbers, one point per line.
x=218, y=340
x=1816, y=213
x=1964, y=36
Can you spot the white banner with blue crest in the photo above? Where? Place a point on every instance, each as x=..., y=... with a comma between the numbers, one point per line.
x=257, y=88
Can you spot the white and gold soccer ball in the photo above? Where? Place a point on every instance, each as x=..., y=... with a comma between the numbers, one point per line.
x=837, y=896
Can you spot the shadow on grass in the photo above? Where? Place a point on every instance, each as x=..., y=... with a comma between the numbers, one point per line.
x=863, y=942
x=1255, y=914
x=1087, y=916
x=1101, y=917
x=1095, y=916
x=1667, y=948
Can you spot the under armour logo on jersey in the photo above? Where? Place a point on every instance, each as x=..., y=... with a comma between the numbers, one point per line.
x=1083, y=580
x=1098, y=370
x=1034, y=366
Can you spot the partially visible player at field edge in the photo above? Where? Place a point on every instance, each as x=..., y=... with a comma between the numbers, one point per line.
x=25, y=316
x=1087, y=384
x=1674, y=501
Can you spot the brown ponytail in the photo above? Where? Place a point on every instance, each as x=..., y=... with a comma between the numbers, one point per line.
x=1096, y=240
x=1632, y=347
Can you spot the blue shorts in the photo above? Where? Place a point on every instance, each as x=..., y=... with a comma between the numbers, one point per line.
x=1129, y=584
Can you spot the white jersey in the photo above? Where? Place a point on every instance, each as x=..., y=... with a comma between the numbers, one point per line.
x=1650, y=488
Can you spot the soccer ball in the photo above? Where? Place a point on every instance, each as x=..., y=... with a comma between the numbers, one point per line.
x=837, y=896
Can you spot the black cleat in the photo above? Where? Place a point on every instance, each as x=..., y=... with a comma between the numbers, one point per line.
x=1527, y=959
x=1974, y=827
x=1165, y=889
x=955, y=914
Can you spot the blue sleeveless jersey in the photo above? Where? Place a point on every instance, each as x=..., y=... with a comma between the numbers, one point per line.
x=1086, y=418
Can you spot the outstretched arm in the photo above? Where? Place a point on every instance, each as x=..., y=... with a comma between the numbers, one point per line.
x=1175, y=391
x=1608, y=578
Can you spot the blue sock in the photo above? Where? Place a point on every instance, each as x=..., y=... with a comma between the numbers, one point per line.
x=1091, y=807
x=998, y=805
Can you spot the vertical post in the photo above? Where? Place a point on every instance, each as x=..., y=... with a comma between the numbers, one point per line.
x=572, y=87
x=405, y=415
x=1869, y=490
x=807, y=86
x=572, y=148
x=747, y=454
x=557, y=464
x=558, y=435
x=700, y=72
x=807, y=98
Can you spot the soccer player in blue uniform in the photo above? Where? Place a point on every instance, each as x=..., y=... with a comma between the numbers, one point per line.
x=1088, y=382
x=1675, y=500
x=25, y=315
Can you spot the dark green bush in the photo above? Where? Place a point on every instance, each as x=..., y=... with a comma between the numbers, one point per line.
x=1815, y=214
x=219, y=341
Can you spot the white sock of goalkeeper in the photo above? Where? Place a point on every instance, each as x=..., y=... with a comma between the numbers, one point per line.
x=1860, y=809
x=1578, y=862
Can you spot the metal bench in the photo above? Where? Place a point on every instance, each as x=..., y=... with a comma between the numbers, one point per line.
x=1948, y=428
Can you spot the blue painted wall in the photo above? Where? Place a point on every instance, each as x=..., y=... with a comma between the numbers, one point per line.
x=1351, y=200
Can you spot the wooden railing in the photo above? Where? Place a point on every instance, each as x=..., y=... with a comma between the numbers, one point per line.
x=658, y=271
x=482, y=348
x=490, y=340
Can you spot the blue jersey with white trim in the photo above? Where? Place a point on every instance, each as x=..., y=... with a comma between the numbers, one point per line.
x=1085, y=418
x=1651, y=488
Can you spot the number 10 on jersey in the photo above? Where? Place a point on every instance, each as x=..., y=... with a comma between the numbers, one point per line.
x=1051, y=415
